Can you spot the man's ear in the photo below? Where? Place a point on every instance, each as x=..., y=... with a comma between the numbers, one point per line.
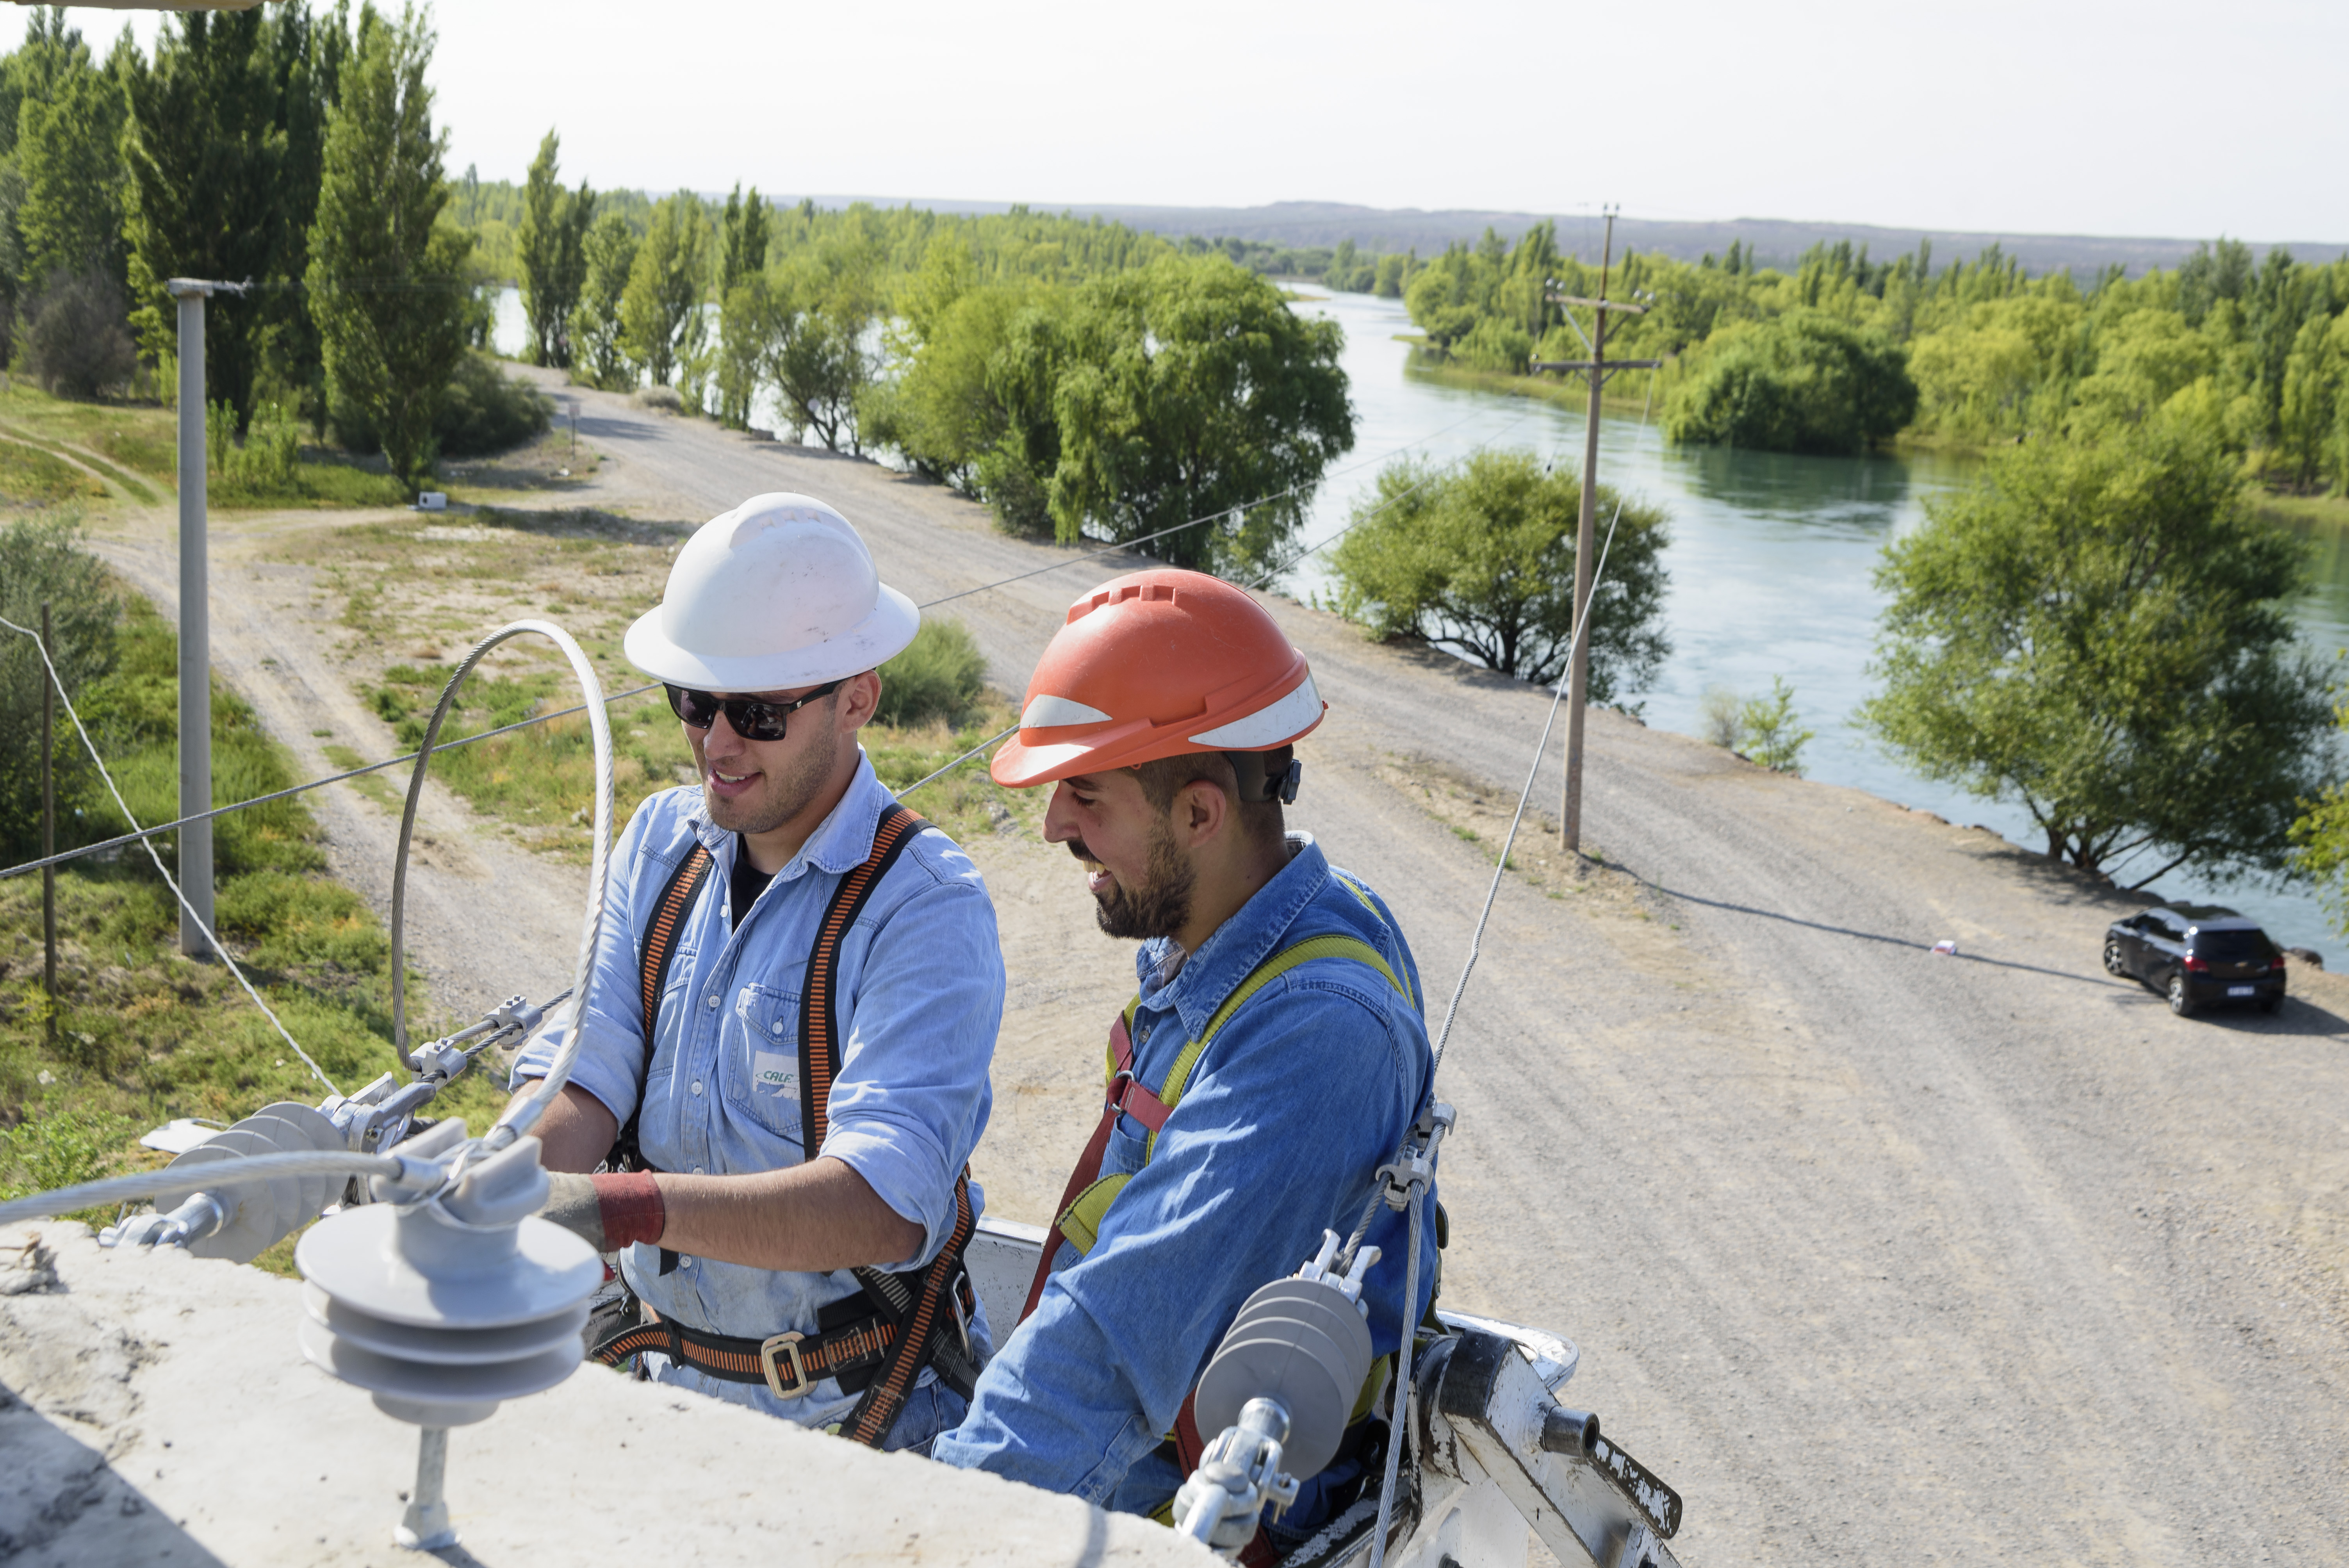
x=859, y=697
x=1199, y=812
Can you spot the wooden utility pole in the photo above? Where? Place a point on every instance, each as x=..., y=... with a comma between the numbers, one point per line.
x=1596, y=368
x=48, y=823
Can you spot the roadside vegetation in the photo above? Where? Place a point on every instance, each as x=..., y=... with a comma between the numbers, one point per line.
x=2099, y=632
x=1477, y=558
x=138, y=1034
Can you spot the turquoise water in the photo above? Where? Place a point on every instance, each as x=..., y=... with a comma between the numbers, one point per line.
x=1771, y=562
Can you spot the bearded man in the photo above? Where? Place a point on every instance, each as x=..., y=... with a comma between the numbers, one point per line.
x=1274, y=1058
x=783, y=1065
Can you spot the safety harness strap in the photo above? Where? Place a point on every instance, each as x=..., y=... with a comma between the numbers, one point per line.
x=653, y=963
x=1085, y=1201
x=928, y=1310
x=917, y=1319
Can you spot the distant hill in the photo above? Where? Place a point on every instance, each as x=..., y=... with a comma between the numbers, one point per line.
x=1773, y=241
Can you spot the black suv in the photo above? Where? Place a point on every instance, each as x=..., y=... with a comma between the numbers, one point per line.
x=2198, y=954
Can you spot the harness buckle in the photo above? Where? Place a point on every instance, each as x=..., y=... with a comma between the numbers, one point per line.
x=961, y=1313
x=788, y=1347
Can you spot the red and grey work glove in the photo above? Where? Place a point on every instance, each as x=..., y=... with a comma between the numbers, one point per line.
x=610, y=1209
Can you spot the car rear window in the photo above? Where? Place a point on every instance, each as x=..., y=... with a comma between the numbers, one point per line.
x=2231, y=946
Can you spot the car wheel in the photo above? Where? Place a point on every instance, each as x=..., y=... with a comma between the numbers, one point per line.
x=2180, y=1003
x=2115, y=962
x=2272, y=1005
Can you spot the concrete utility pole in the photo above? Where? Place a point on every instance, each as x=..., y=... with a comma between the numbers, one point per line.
x=1596, y=368
x=48, y=826
x=195, y=624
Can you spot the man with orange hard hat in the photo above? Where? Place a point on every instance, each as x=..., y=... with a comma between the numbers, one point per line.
x=1274, y=1058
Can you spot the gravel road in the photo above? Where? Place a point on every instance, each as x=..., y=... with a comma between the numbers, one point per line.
x=1877, y=1255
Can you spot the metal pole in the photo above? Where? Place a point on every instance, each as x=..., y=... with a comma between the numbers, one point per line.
x=48, y=826
x=425, y=1526
x=195, y=629
x=1571, y=800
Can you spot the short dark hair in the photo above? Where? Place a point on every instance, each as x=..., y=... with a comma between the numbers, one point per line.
x=1162, y=779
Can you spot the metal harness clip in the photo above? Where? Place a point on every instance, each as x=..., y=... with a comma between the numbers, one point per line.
x=788, y=1345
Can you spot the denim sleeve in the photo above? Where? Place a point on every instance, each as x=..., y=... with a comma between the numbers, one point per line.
x=912, y=1096
x=611, y=1061
x=1286, y=1120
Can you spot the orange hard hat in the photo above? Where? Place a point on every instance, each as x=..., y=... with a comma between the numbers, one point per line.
x=1156, y=664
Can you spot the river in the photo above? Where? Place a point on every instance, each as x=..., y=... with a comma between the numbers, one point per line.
x=1771, y=562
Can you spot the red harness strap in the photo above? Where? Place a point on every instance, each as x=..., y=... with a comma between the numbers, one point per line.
x=1126, y=1093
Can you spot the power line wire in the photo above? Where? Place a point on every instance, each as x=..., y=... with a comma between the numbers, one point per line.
x=161, y=828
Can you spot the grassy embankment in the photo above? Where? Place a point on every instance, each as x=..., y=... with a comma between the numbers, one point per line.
x=415, y=597
x=54, y=449
x=143, y=1035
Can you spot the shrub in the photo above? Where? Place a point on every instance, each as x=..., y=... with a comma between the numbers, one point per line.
x=78, y=345
x=42, y=560
x=1721, y=716
x=484, y=411
x=939, y=676
x=489, y=411
x=264, y=466
x=1776, y=737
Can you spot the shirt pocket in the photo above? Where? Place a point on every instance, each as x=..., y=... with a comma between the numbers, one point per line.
x=762, y=1077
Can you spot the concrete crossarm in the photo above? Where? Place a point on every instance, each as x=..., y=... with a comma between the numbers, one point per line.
x=161, y=1413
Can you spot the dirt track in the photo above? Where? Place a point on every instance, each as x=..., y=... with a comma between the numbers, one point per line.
x=1878, y=1256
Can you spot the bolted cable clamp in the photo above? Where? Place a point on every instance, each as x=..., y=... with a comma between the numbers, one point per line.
x=1401, y=1180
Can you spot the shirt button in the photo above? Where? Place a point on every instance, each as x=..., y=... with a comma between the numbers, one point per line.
x=713, y=999
x=696, y=1086
x=776, y=1027
x=697, y=1171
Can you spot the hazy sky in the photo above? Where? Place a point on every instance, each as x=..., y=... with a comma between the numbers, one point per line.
x=2151, y=118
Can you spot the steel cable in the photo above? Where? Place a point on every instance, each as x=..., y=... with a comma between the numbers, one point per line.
x=523, y=1112
x=218, y=1173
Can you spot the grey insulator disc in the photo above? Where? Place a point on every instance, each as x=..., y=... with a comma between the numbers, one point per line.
x=1300, y=1343
x=254, y=1209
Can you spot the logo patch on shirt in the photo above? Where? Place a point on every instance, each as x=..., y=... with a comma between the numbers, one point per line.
x=776, y=1073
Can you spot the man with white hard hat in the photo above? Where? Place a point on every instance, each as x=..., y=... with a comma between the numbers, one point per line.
x=784, y=1061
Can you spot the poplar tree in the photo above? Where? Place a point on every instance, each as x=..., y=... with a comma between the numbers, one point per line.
x=385, y=277
x=551, y=253
x=220, y=158
x=660, y=310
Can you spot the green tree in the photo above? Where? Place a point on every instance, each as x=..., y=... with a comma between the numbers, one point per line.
x=224, y=155
x=67, y=146
x=2314, y=416
x=660, y=310
x=1478, y=557
x=2099, y=632
x=1193, y=390
x=599, y=353
x=823, y=304
x=744, y=304
x=1802, y=382
x=387, y=279
x=550, y=255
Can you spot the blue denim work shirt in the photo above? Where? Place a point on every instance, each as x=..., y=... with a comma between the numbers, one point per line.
x=920, y=999
x=1304, y=1093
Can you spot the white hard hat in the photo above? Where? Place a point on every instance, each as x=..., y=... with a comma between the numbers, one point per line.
x=778, y=592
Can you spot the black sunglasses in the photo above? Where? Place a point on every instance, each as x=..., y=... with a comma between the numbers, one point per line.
x=753, y=717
